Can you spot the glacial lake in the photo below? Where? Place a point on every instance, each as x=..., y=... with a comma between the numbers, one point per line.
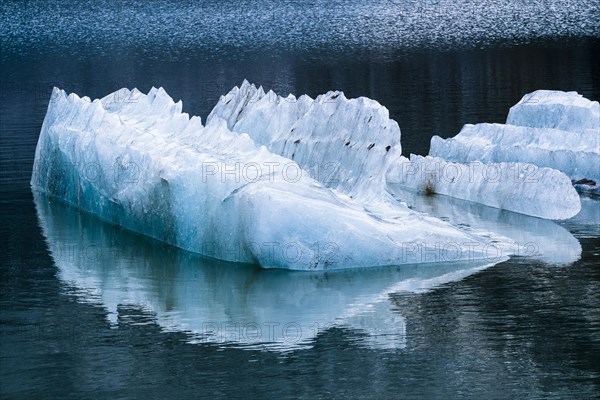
x=89, y=310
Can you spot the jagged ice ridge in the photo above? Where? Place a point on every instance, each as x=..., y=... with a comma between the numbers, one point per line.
x=141, y=163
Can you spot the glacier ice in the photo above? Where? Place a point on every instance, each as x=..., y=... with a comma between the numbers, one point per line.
x=519, y=187
x=137, y=161
x=576, y=154
x=548, y=128
x=567, y=111
x=346, y=144
x=228, y=304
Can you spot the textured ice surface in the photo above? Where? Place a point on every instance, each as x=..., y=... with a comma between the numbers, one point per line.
x=137, y=161
x=519, y=187
x=567, y=111
x=347, y=144
x=225, y=304
x=577, y=154
x=548, y=128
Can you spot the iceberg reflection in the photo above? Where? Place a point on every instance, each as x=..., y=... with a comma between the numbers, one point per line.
x=225, y=303
x=534, y=238
x=586, y=224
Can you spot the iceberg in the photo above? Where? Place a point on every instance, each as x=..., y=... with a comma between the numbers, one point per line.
x=567, y=111
x=522, y=188
x=136, y=160
x=548, y=128
x=577, y=154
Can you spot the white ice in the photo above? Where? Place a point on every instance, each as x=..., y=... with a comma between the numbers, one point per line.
x=574, y=153
x=567, y=111
x=548, y=128
x=346, y=144
x=137, y=161
x=519, y=187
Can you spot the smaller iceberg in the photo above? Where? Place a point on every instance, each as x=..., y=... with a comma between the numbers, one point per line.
x=522, y=188
x=567, y=111
x=552, y=129
x=575, y=154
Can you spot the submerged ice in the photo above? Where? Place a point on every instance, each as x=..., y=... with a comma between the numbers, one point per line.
x=137, y=161
x=534, y=238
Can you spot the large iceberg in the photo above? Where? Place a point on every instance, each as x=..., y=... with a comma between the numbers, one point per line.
x=523, y=188
x=137, y=161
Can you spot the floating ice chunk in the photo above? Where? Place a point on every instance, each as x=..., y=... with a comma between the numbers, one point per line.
x=577, y=154
x=547, y=128
x=567, y=111
x=523, y=188
x=346, y=144
x=146, y=166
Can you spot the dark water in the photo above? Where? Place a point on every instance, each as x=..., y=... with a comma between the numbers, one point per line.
x=91, y=311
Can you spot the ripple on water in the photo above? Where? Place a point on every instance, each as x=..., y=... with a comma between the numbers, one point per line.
x=292, y=24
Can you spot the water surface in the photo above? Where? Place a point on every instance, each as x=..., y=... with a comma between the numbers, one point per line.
x=91, y=311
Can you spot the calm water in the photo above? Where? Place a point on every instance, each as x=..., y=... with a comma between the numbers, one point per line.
x=91, y=311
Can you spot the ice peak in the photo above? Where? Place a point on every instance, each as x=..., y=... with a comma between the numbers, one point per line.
x=347, y=144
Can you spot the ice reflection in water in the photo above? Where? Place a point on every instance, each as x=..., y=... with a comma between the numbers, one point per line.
x=535, y=238
x=224, y=303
